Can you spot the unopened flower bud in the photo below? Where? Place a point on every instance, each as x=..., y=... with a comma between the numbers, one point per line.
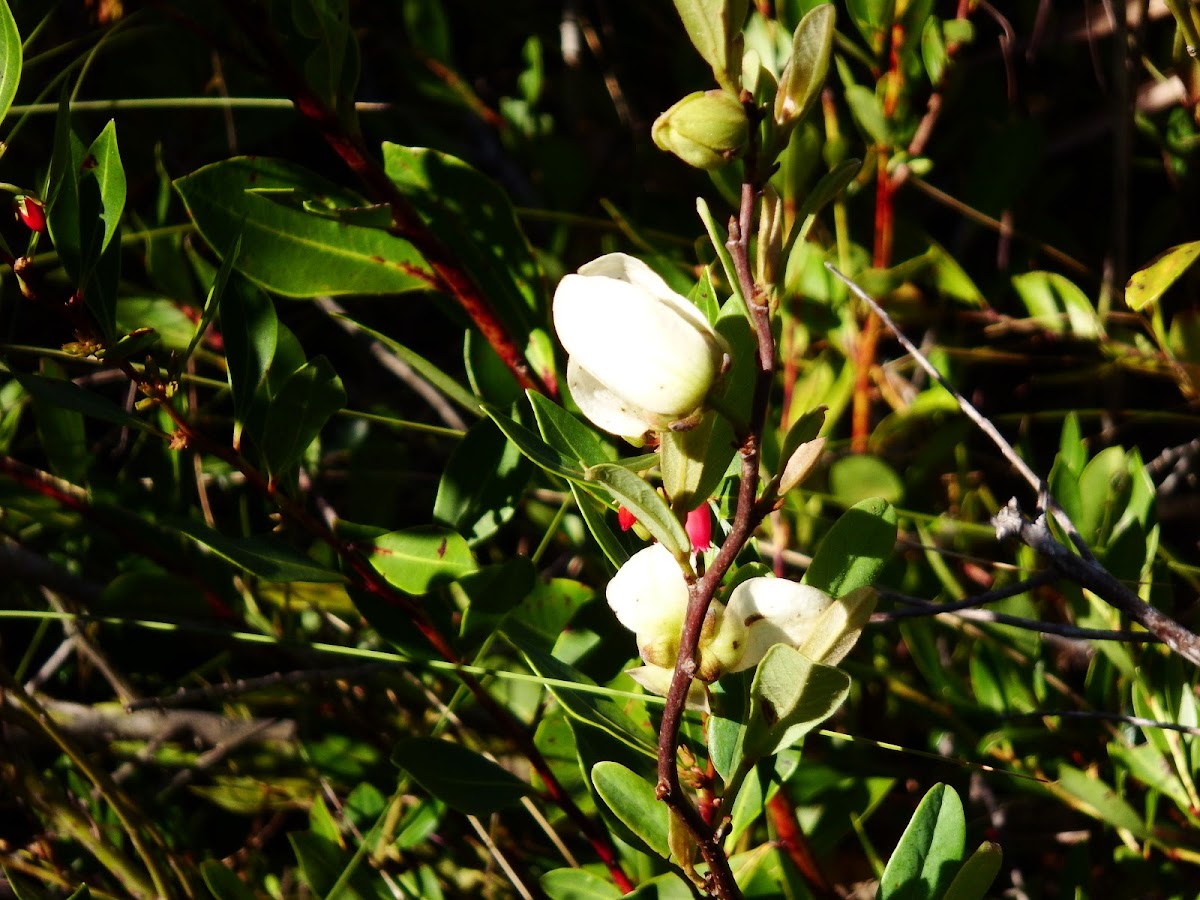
x=699, y=528
x=705, y=129
x=30, y=212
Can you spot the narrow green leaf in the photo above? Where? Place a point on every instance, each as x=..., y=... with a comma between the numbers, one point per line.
x=63, y=214
x=567, y=434
x=10, y=58
x=482, y=482
x=802, y=77
x=250, y=330
x=1149, y=283
x=578, y=884
x=930, y=851
x=592, y=709
x=222, y=883
x=323, y=863
x=975, y=878
x=307, y=400
x=790, y=695
x=824, y=192
x=594, y=515
x=213, y=301
x=69, y=395
x=461, y=779
x=855, y=549
x=103, y=160
x=633, y=800
x=868, y=112
x=645, y=503
x=266, y=556
x=1098, y=799
x=418, y=560
x=534, y=448
x=288, y=250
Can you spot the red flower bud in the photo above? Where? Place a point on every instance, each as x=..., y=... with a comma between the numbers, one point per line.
x=699, y=528
x=625, y=518
x=30, y=212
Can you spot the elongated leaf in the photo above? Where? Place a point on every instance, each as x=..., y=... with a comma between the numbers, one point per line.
x=267, y=556
x=855, y=548
x=417, y=560
x=633, y=800
x=802, y=78
x=567, y=434
x=790, y=695
x=103, y=160
x=299, y=411
x=977, y=874
x=474, y=217
x=222, y=883
x=250, y=330
x=578, y=884
x=645, y=503
x=535, y=449
x=69, y=395
x=288, y=250
x=481, y=483
x=1152, y=281
x=458, y=777
x=868, y=112
x=594, y=513
x=1099, y=800
x=592, y=709
x=323, y=863
x=930, y=850
x=10, y=58
x=213, y=301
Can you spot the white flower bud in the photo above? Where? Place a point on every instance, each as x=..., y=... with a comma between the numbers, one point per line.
x=641, y=356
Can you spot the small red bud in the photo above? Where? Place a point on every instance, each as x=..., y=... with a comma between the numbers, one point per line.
x=30, y=212
x=699, y=528
x=625, y=518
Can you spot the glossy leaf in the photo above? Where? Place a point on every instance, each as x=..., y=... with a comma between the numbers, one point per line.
x=567, y=434
x=474, y=217
x=633, y=800
x=644, y=502
x=103, y=161
x=481, y=484
x=975, y=878
x=266, y=556
x=855, y=549
x=10, y=58
x=250, y=330
x=859, y=477
x=418, y=560
x=68, y=395
x=212, y=302
x=534, y=448
x=790, y=695
x=305, y=402
x=1149, y=283
x=290, y=251
x=458, y=777
x=578, y=884
x=930, y=851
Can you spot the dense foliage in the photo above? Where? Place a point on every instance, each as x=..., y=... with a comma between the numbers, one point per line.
x=373, y=383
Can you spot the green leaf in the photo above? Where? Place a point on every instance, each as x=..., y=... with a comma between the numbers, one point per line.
x=977, y=874
x=288, y=250
x=930, y=851
x=266, y=556
x=481, y=483
x=305, y=402
x=60, y=427
x=592, y=709
x=103, y=160
x=694, y=462
x=222, y=883
x=68, y=395
x=824, y=192
x=212, y=302
x=1149, y=283
x=418, y=560
x=1095, y=798
x=10, y=58
x=461, y=779
x=323, y=864
x=860, y=477
x=567, y=434
x=855, y=549
x=534, y=448
x=633, y=800
x=1060, y=302
x=645, y=503
x=578, y=884
x=790, y=696
x=802, y=77
x=714, y=27
x=594, y=514
x=250, y=330
x=471, y=214
x=868, y=112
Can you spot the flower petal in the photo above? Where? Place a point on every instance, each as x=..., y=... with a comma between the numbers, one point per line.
x=649, y=595
x=774, y=611
x=605, y=409
x=657, y=680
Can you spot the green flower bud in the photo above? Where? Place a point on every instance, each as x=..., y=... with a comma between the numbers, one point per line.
x=705, y=129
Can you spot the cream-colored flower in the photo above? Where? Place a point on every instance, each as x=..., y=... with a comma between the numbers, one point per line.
x=641, y=357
